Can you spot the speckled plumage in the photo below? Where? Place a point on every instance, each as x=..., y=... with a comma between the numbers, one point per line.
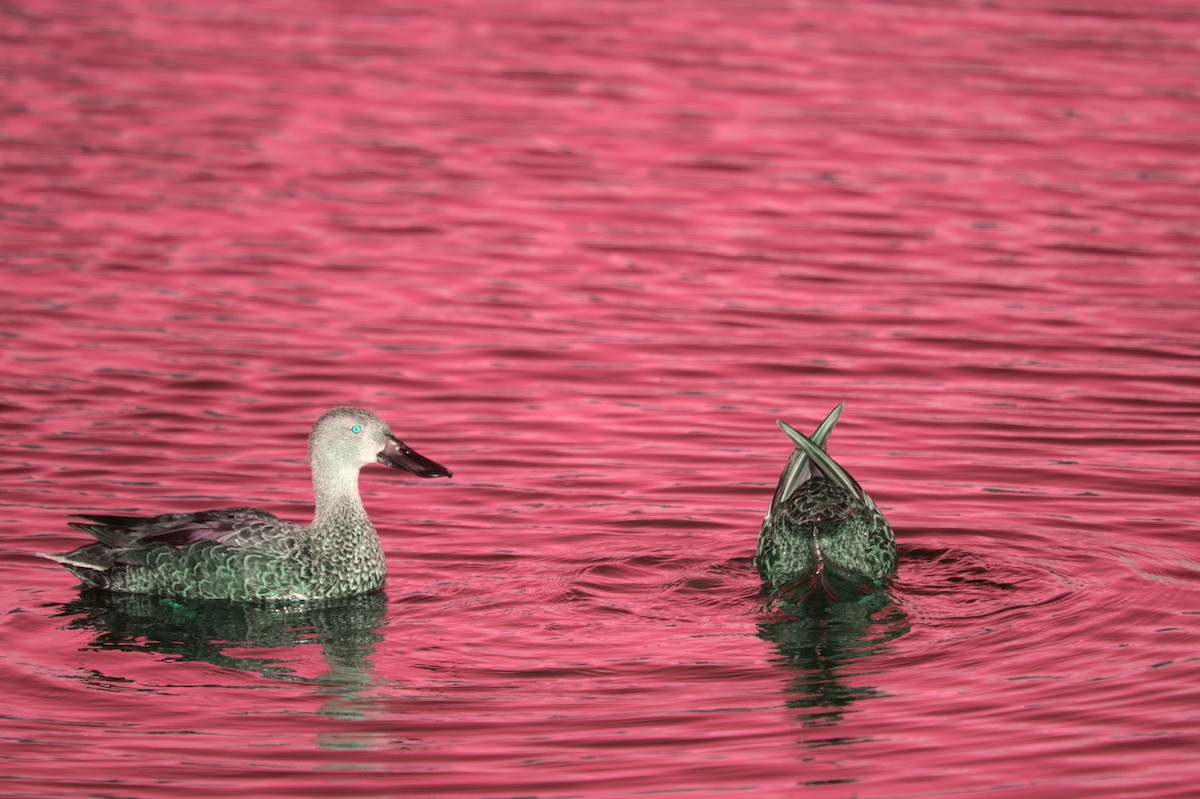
x=822, y=532
x=248, y=554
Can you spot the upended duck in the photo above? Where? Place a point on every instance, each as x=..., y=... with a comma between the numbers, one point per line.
x=250, y=554
x=822, y=533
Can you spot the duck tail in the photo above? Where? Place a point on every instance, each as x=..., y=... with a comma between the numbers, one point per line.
x=90, y=563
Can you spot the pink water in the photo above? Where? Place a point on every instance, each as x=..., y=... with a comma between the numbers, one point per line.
x=585, y=254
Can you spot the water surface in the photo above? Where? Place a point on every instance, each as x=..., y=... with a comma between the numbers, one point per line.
x=585, y=254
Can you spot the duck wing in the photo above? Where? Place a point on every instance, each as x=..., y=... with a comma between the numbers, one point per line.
x=823, y=464
x=238, y=527
x=799, y=466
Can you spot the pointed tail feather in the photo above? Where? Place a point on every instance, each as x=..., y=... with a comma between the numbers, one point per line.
x=93, y=557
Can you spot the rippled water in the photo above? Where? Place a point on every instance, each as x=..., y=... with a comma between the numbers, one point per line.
x=585, y=254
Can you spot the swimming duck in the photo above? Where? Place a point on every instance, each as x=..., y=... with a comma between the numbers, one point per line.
x=248, y=554
x=822, y=530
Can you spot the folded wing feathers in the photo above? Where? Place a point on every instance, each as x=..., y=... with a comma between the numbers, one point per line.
x=798, y=468
x=176, y=529
x=826, y=465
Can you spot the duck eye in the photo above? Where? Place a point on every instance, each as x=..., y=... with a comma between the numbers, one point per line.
x=356, y=429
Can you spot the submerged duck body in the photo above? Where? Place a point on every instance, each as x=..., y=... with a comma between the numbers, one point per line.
x=250, y=554
x=822, y=533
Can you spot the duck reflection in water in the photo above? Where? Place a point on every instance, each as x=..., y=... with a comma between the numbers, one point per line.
x=821, y=640
x=215, y=631
x=826, y=555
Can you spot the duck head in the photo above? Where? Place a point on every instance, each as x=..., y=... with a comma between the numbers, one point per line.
x=351, y=438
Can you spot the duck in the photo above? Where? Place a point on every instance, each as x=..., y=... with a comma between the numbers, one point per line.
x=822, y=535
x=247, y=554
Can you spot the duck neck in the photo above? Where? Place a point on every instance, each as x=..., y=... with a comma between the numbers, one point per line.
x=335, y=491
x=347, y=550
